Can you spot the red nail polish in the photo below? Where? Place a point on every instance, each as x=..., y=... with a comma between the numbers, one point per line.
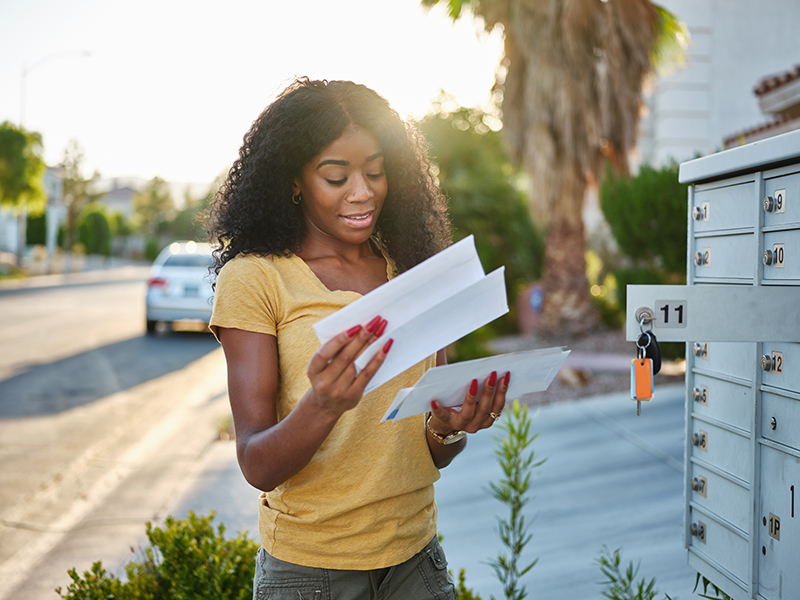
x=473, y=387
x=373, y=324
x=492, y=378
x=434, y=405
x=381, y=328
x=507, y=378
x=387, y=345
x=353, y=330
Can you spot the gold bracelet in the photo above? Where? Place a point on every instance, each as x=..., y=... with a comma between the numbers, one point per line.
x=446, y=439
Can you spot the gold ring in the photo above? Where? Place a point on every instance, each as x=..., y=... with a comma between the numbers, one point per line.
x=495, y=416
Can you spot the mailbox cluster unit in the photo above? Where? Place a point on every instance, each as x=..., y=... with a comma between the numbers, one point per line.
x=742, y=468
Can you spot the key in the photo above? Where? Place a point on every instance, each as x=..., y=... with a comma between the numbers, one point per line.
x=642, y=370
x=652, y=350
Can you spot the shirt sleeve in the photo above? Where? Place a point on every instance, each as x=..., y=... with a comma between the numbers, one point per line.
x=242, y=298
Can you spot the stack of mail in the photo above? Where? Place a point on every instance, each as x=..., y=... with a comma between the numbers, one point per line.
x=531, y=371
x=428, y=307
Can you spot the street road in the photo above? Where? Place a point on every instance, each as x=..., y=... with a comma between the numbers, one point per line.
x=87, y=402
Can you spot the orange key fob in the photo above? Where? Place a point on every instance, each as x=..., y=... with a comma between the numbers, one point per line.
x=642, y=379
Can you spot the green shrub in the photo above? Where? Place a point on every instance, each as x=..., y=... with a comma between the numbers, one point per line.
x=647, y=215
x=94, y=230
x=623, y=585
x=36, y=230
x=516, y=459
x=151, y=249
x=186, y=560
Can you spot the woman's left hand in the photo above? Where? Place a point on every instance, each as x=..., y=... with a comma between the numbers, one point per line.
x=477, y=412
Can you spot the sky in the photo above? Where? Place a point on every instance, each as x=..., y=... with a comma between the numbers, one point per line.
x=171, y=86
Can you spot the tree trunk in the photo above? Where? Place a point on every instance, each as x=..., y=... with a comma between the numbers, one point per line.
x=567, y=310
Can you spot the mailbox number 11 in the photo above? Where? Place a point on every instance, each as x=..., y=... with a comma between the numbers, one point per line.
x=671, y=313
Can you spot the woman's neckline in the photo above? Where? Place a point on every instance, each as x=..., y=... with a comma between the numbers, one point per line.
x=318, y=282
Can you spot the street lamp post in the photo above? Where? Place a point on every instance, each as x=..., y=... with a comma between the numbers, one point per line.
x=23, y=213
x=26, y=70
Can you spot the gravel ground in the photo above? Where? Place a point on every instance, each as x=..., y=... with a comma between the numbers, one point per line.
x=582, y=383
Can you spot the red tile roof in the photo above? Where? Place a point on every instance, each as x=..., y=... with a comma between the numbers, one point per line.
x=775, y=81
x=742, y=136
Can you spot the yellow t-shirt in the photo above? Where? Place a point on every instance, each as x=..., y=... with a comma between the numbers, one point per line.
x=365, y=501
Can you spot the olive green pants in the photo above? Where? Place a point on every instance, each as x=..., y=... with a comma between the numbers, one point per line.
x=422, y=577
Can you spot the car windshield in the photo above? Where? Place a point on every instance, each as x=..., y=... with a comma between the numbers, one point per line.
x=189, y=260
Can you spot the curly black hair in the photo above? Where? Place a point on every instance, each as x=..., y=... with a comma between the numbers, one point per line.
x=253, y=212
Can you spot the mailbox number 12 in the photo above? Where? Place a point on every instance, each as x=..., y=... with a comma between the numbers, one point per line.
x=671, y=313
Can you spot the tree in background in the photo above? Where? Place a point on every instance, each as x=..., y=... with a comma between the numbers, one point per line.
x=78, y=190
x=571, y=88
x=485, y=200
x=21, y=168
x=94, y=230
x=153, y=204
x=21, y=171
x=189, y=222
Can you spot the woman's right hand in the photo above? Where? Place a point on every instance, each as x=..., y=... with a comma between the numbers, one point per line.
x=336, y=386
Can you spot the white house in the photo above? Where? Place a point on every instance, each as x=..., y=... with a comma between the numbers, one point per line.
x=734, y=44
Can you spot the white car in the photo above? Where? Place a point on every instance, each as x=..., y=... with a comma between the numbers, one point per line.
x=179, y=288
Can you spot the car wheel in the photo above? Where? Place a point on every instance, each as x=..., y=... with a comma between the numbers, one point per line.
x=151, y=326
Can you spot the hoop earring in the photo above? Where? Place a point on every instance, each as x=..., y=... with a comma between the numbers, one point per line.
x=297, y=198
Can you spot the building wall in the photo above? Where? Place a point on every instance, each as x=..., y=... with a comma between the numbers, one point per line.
x=734, y=44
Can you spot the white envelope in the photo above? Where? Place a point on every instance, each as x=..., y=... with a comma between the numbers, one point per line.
x=531, y=371
x=428, y=307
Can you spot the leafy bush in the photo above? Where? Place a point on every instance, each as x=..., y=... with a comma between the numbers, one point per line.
x=186, y=560
x=647, y=215
x=151, y=249
x=36, y=229
x=94, y=230
x=517, y=463
x=623, y=585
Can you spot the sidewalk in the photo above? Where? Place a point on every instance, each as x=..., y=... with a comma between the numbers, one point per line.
x=610, y=479
x=112, y=271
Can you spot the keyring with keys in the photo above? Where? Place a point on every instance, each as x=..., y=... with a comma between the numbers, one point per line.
x=646, y=364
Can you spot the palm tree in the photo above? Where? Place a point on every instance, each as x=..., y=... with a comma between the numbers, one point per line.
x=571, y=87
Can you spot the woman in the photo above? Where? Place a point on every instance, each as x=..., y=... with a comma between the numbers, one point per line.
x=331, y=196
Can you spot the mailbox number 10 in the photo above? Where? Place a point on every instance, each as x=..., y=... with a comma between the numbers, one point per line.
x=671, y=313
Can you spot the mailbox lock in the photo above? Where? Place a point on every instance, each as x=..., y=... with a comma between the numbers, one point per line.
x=699, y=348
x=773, y=423
x=698, y=213
x=767, y=257
x=699, y=259
x=699, y=529
x=697, y=394
x=769, y=203
x=766, y=362
x=695, y=483
x=697, y=439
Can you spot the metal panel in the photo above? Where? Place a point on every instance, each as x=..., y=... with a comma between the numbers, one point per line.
x=780, y=421
x=783, y=365
x=728, y=451
x=778, y=572
x=724, y=547
x=721, y=496
x=734, y=359
x=722, y=400
x=783, y=260
x=725, y=313
x=723, y=256
x=785, y=192
x=752, y=157
x=724, y=207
